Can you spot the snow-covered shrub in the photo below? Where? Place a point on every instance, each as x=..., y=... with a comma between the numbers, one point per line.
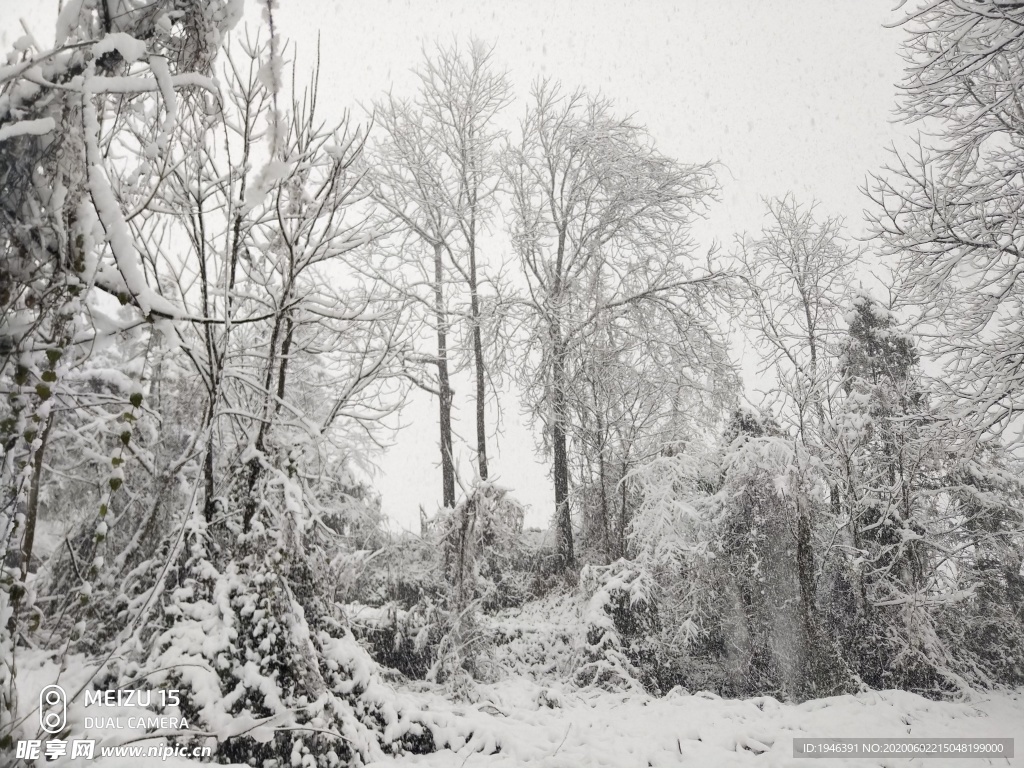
x=416, y=603
x=477, y=542
x=480, y=538
x=771, y=498
x=406, y=572
x=247, y=627
x=965, y=629
x=537, y=640
x=538, y=565
x=990, y=623
x=730, y=536
x=673, y=537
x=263, y=658
x=620, y=623
x=400, y=639
x=355, y=511
x=397, y=609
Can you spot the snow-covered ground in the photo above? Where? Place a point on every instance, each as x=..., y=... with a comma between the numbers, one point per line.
x=532, y=717
x=596, y=728
x=520, y=721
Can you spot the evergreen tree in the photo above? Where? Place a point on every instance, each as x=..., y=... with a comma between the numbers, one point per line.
x=891, y=449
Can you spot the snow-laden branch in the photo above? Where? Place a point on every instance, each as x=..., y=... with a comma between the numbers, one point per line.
x=38, y=127
x=133, y=84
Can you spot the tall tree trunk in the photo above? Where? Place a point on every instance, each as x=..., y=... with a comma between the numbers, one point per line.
x=623, y=510
x=563, y=517
x=805, y=570
x=860, y=594
x=478, y=358
x=444, y=384
x=31, y=514
x=32, y=511
x=602, y=472
x=255, y=464
x=209, y=506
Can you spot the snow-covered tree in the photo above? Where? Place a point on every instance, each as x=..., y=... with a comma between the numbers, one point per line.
x=68, y=253
x=302, y=345
x=797, y=274
x=210, y=360
x=731, y=534
x=986, y=552
x=948, y=213
x=434, y=172
x=765, y=519
x=639, y=387
x=600, y=223
x=895, y=452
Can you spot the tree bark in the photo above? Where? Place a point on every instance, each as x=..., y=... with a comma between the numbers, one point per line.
x=563, y=517
x=444, y=384
x=606, y=534
x=623, y=511
x=28, y=541
x=478, y=359
x=32, y=512
x=209, y=506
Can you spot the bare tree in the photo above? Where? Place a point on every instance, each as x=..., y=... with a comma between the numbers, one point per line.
x=950, y=214
x=644, y=383
x=462, y=96
x=435, y=172
x=294, y=348
x=797, y=273
x=600, y=224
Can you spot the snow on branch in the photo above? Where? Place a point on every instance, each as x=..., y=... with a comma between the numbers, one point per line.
x=130, y=48
x=39, y=127
x=122, y=244
x=130, y=84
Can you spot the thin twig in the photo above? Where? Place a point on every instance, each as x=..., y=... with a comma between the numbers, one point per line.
x=563, y=740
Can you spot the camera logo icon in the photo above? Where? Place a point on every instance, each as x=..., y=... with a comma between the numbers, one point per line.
x=53, y=709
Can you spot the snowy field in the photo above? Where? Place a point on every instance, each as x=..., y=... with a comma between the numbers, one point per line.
x=533, y=717
x=514, y=723
x=622, y=731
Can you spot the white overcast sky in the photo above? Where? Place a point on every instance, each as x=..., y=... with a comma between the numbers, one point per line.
x=788, y=95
